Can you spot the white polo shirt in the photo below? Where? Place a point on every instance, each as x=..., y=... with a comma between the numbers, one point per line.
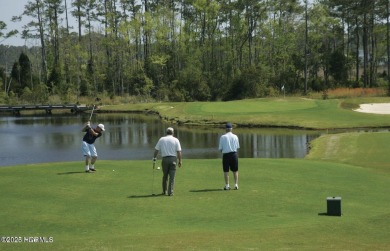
x=168, y=146
x=228, y=143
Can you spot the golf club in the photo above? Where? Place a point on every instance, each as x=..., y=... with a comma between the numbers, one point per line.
x=154, y=163
x=93, y=108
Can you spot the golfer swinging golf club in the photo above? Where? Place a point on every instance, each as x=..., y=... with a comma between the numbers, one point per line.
x=171, y=156
x=88, y=147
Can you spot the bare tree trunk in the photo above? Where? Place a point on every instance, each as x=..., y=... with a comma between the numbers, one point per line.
x=146, y=38
x=66, y=16
x=373, y=58
x=66, y=46
x=79, y=20
x=357, y=50
x=42, y=38
x=365, y=50
x=388, y=43
x=306, y=41
x=347, y=48
x=56, y=38
x=78, y=56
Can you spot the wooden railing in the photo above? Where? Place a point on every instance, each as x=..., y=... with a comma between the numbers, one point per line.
x=16, y=109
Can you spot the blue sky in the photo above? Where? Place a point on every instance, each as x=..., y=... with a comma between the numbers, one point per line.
x=8, y=9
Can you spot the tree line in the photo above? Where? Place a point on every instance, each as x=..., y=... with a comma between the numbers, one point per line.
x=198, y=50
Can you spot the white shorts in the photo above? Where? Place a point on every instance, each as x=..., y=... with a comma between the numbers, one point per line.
x=89, y=149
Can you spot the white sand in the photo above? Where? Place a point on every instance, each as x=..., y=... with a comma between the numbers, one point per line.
x=378, y=108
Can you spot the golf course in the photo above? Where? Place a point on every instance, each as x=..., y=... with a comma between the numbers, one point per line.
x=281, y=203
x=297, y=113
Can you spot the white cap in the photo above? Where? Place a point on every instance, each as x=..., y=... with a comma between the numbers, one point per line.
x=169, y=130
x=101, y=126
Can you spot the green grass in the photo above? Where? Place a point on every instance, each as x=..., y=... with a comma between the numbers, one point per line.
x=276, y=207
x=269, y=112
x=370, y=150
x=279, y=206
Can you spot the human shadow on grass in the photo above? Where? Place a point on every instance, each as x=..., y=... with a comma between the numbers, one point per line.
x=69, y=173
x=144, y=196
x=326, y=214
x=206, y=190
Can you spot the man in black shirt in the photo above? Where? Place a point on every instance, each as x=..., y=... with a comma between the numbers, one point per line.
x=88, y=147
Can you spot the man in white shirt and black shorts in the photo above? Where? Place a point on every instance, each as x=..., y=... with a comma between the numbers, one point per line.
x=170, y=149
x=228, y=145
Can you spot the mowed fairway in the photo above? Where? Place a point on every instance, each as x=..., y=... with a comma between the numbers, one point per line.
x=268, y=112
x=278, y=207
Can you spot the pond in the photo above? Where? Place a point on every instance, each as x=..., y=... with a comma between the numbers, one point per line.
x=29, y=139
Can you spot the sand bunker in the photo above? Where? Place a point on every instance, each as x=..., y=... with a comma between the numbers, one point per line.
x=378, y=108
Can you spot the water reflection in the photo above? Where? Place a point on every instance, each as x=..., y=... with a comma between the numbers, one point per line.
x=36, y=139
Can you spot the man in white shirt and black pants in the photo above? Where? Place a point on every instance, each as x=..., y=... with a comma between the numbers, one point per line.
x=228, y=145
x=171, y=156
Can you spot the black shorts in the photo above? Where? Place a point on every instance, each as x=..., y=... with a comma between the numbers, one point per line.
x=230, y=160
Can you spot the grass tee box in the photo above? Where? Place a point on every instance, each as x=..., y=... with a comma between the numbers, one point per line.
x=277, y=207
